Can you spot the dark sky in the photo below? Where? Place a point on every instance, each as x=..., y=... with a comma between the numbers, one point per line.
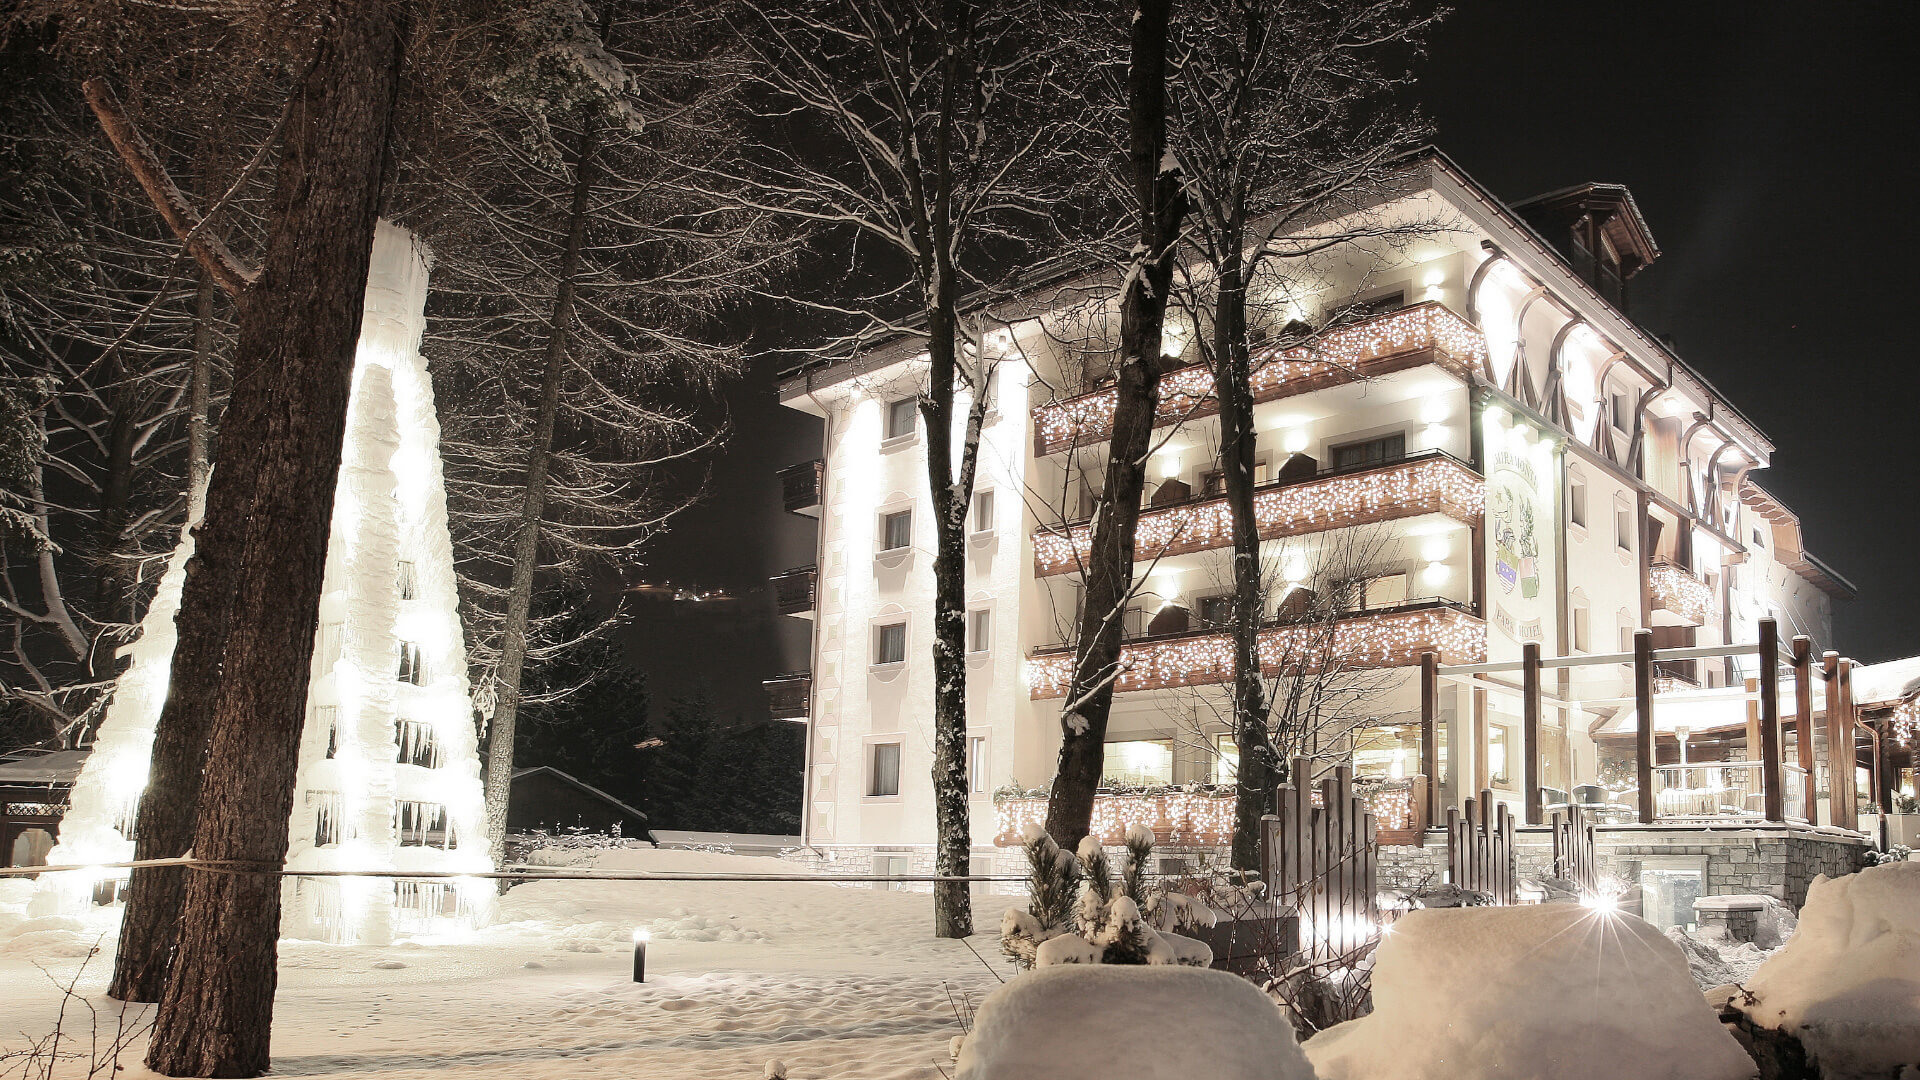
x=1771, y=147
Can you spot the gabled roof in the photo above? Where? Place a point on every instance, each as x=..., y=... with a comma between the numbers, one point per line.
x=1614, y=206
x=581, y=784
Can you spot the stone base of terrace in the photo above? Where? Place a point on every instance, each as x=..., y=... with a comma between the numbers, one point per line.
x=1431, y=483
x=1392, y=637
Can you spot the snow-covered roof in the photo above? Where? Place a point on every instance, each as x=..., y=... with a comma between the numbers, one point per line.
x=1878, y=684
x=58, y=767
x=677, y=838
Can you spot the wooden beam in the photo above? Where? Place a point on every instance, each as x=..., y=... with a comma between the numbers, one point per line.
x=1772, y=794
x=1643, y=721
x=1840, y=741
x=1429, y=732
x=1481, y=776
x=222, y=265
x=1530, y=728
x=1803, y=721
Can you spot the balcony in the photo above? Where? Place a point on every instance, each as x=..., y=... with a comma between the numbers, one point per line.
x=1679, y=598
x=787, y=695
x=1421, y=334
x=802, y=487
x=1724, y=790
x=1431, y=483
x=1393, y=637
x=793, y=592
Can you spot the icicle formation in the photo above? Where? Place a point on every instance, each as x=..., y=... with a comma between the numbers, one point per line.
x=1103, y=926
x=389, y=770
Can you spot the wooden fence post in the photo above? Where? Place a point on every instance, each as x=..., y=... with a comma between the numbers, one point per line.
x=1643, y=719
x=1429, y=734
x=1530, y=727
x=1803, y=720
x=1841, y=787
x=1772, y=795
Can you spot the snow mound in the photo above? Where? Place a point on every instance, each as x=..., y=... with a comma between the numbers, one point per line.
x=1715, y=961
x=1547, y=992
x=1098, y=1022
x=1847, y=984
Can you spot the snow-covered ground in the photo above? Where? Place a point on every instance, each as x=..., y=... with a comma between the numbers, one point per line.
x=835, y=981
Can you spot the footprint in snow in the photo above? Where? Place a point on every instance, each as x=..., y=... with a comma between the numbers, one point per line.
x=389, y=965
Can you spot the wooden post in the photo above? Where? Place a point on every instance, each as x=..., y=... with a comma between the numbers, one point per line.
x=1429, y=732
x=1803, y=720
x=1530, y=727
x=1481, y=778
x=1643, y=719
x=1772, y=794
x=1840, y=742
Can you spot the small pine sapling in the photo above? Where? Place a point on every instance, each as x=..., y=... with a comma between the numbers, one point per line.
x=1139, y=850
x=1053, y=878
x=1091, y=913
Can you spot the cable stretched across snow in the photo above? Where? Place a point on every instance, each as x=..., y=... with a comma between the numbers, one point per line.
x=518, y=872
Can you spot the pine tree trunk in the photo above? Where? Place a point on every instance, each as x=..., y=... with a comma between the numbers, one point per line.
x=269, y=506
x=1109, y=569
x=1233, y=382
x=526, y=542
x=165, y=822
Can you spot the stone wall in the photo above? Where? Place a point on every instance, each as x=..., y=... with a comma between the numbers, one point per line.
x=1413, y=867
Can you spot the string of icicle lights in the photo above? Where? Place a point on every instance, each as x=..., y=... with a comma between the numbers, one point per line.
x=1089, y=417
x=1390, y=639
x=1429, y=485
x=1176, y=817
x=1680, y=592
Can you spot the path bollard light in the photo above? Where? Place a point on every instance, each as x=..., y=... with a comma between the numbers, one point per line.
x=640, y=955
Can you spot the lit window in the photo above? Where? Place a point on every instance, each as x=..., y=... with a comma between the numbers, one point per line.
x=890, y=643
x=1226, y=760
x=896, y=530
x=902, y=416
x=413, y=668
x=883, y=769
x=977, y=764
x=979, y=630
x=1138, y=763
x=983, y=511
x=1499, y=739
x=1577, y=503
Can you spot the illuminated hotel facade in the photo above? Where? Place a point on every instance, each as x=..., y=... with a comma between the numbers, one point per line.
x=1528, y=464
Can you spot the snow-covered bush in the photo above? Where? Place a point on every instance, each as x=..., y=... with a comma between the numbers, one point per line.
x=1544, y=992
x=1847, y=984
x=1157, y=1023
x=1105, y=924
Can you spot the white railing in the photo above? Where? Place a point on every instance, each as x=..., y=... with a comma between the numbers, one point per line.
x=1720, y=789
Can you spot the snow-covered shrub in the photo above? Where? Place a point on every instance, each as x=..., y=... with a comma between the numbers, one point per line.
x=1847, y=984
x=1897, y=853
x=1105, y=924
x=1543, y=992
x=1155, y=1023
x=1053, y=877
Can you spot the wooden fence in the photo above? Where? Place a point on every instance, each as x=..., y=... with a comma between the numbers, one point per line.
x=1480, y=848
x=1320, y=861
x=1574, y=857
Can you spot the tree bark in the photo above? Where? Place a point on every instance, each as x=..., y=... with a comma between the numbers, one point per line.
x=1108, y=579
x=268, y=511
x=526, y=543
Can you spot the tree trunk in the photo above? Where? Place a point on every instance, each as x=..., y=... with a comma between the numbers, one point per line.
x=165, y=821
x=526, y=543
x=269, y=507
x=1233, y=382
x=1109, y=573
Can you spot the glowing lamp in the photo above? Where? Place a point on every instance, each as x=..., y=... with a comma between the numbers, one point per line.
x=640, y=939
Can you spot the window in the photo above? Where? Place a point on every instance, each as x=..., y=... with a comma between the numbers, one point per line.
x=1582, y=628
x=977, y=764
x=1623, y=527
x=890, y=643
x=1217, y=610
x=330, y=716
x=883, y=769
x=1499, y=742
x=982, y=512
x=1359, y=455
x=1627, y=629
x=421, y=824
x=1759, y=540
x=409, y=580
x=1226, y=759
x=979, y=630
x=1374, y=593
x=902, y=417
x=413, y=669
x=328, y=817
x=1622, y=418
x=896, y=530
x=1577, y=503
x=1138, y=763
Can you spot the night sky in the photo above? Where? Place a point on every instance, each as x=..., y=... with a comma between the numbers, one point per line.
x=1771, y=147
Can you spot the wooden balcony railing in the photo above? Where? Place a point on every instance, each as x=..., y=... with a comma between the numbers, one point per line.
x=1677, y=592
x=1421, y=334
x=1393, y=637
x=787, y=695
x=793, y=592
x=802, y=486
x=1427, y=484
